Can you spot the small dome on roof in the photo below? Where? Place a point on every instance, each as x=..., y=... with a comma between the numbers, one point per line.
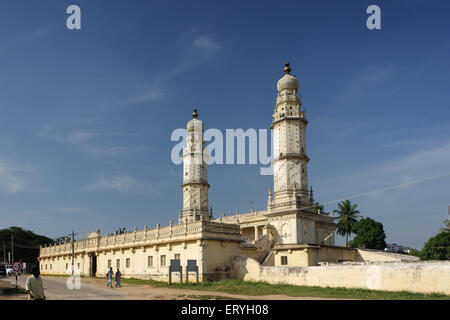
x=288, y=81
x=195, y=123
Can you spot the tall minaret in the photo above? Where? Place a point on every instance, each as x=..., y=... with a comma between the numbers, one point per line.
x=290, y=163
x=195, y=174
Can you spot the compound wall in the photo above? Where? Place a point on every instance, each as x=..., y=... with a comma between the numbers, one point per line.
x=421, y=277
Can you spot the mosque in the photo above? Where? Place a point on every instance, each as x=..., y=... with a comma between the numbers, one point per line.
x=289, y=232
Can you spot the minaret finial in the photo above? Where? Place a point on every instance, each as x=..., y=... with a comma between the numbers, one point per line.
x=195, y=114
x=287, y=68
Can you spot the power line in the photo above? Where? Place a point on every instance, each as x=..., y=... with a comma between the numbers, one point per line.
x=383, y=190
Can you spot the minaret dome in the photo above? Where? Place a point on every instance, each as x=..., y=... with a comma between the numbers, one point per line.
x=288, y=81
x=195, y=123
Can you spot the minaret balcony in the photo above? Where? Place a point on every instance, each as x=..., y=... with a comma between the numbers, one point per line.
x=189, y=182
x=289, y=118
x=300, y=156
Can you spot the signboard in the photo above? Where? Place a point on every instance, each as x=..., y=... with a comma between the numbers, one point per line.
x=191, y=266
x=175, y=266
x=17, y=266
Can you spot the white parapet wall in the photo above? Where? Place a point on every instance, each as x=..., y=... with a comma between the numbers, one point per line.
x=420, y=277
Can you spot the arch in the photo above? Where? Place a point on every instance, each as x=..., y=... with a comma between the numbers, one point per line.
x=285, y=231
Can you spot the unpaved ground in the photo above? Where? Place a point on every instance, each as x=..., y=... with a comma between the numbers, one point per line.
x=148, y=292
x=7, y=291
x=95, y=289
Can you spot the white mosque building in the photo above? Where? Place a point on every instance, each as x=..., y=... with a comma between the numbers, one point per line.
x=288, y=232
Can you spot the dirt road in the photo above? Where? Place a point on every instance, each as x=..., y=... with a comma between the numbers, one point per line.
x=95, y=289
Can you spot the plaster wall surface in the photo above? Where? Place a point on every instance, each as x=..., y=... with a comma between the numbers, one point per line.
x=421, y=277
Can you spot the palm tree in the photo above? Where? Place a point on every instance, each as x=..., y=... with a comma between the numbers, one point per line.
x=348, y=215
x=447, y=226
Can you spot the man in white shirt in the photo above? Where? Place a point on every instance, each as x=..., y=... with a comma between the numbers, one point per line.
x=34, y=286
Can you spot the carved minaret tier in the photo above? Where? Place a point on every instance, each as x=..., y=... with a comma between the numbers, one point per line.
x=290, y=163
x=195, y=174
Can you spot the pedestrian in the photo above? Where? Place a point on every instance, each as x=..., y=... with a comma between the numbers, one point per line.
x=118, y=277
x=109, y=276
x=34, y=286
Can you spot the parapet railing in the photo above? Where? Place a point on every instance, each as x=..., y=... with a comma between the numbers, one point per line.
x=142, y=237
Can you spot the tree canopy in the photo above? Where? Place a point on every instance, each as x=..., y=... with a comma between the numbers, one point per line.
x=447, y=226
x=437, y=247
x=317, y=207
x=348, y=215
x=370, y=233
x=26, y=244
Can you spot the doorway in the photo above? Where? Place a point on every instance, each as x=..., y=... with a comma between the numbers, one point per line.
x=93, y=269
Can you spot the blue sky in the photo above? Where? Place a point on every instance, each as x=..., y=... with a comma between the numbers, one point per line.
x=86, y=116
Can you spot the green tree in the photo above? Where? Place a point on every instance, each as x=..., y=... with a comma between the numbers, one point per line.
x=370, y=233
x=437, y=247
x=26, y=244
x=317, y=206
x=415, y=252
x=348, y=215
x=447, y=226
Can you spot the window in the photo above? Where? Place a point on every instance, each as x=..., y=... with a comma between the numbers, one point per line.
x=284, y=260
x=109, y=264
x=150, y=261
x=45, y=267
x=78, y=266
x=128, y=262
x=177, y=256
x=42, y=267
x=50, y=267
x=163, y=261
x=67, y=266
x=118, y=263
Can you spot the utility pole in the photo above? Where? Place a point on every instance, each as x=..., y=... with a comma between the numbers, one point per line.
x=4, y=251
x=12, y=247
x=73, y=249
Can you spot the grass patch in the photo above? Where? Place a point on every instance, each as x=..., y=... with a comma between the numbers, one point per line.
x=264, y=288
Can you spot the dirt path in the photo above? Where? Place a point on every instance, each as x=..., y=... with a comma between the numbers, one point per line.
x=148, y=292
x=95, y=289
x=7, y=291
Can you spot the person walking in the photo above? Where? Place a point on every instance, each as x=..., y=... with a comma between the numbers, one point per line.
x=118, y=277
x=34, y=286
x=109, y=276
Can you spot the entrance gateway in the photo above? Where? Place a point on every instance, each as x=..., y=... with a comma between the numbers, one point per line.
x=93, y=265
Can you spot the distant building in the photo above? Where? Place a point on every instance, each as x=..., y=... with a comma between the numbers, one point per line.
x=393, y=247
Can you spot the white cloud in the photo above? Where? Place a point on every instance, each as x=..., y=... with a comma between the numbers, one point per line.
x=424, y=162
x=83, y=139
x=151, y=94
x=80, y=136
x=365, y=82
x=12, y=178
x=206, y=43
x=122, y=184
x=189, y=51
x=395, y=177
x=40, y=32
